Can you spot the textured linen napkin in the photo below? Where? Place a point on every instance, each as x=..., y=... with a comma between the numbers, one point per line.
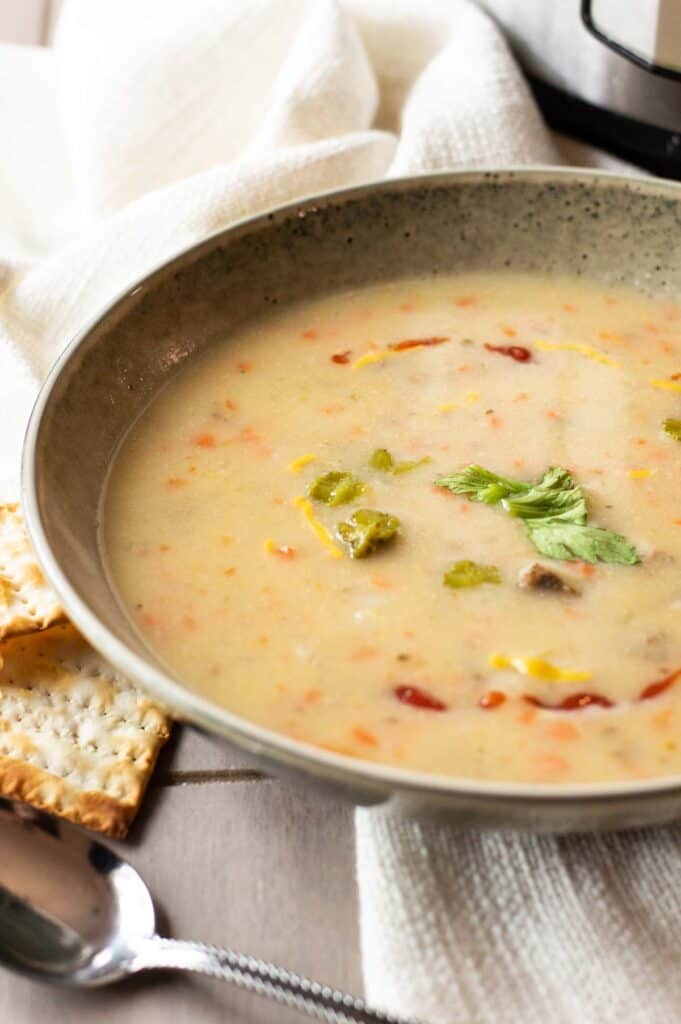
x=148, y=126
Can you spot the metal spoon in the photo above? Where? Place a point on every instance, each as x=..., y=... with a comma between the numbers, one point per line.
x=74, y=913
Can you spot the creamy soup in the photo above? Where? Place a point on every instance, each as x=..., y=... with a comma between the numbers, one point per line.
x=513, y=613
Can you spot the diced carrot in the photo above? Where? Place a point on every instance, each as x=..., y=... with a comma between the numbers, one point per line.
x=364, y=736
x=568, y=308
x=661, y=719
x=586, y=569
x=650, y=326
x=285, y=551
x=562, y=730
x=381, y=582
x=553, y=763
x=149, y=620
x=229, y=404
x=331, y=410
x=551, y=414
x=189, y=622
x=518, y=462
x=522, y=396
x=203, y=440
x=407, y=307
x=677, y=522
x=495, y=422
x=364, y=653
x=509, y=332
x=244, y=367
x=466, y=300
x=312, y=696
x=176, y=481
x=310, y=334
x=527, y=716
x=164, y=547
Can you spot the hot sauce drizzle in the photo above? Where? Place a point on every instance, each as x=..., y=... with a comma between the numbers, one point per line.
x=418, y=698
x=402, y=346
x=579, y=701
x=517, y=352
x=655, y=689
x=341, y=357
x=575, y=702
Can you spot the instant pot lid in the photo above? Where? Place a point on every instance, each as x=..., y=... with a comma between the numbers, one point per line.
x=588, y=89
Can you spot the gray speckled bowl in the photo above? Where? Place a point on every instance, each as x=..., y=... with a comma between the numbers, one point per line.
x=614, y=230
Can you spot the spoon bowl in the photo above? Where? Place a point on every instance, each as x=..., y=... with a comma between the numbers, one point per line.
x=73, y=912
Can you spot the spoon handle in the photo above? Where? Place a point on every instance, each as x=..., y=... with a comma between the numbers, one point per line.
x=320, y=1001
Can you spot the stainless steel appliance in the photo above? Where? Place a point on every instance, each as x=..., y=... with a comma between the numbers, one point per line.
x=606, y=71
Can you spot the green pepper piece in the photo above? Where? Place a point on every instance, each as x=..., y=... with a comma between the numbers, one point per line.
x=470, y=574
x=673, y=428
x=336, y=488
x=366, y=529
x=383, y=460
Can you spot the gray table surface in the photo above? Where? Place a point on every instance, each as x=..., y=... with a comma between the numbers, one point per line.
x=232, y=858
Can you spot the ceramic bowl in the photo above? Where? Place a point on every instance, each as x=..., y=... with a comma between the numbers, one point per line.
x=613, y=230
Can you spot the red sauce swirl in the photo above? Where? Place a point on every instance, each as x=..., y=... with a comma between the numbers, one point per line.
x=418, y=698
x=517, y=352
x=402, y=346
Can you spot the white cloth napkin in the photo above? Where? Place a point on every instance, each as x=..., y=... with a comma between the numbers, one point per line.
x=148, y=126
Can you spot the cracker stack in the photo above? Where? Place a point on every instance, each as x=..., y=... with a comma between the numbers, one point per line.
x=76, y=738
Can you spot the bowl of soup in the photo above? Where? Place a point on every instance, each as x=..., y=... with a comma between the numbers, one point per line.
x=385, y=488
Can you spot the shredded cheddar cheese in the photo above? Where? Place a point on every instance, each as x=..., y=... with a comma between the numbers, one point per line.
x=269, y=546
x=374, y=357
x=667, y=385
x=639, y=474
x=469, y=398
x=575, y=346
x=300, y=463
x=319, y=529
x=537, y=668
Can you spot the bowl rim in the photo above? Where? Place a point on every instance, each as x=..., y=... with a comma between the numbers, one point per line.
x=196, y=710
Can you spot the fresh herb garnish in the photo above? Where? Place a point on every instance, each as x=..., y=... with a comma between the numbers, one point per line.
x=383, y=460
x=366, y=529
x=554, y=510
x=336, y=488
x=470, y=574
x=673, y=428
x=569, y=541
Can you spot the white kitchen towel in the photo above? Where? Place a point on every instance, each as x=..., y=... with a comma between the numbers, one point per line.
x=150, y=125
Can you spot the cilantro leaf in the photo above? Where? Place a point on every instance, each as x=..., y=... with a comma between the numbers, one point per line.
x=480, y=484
x=555, y=496
x=568, y=541
x=554, y=510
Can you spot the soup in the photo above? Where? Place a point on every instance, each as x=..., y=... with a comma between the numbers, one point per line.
x=435, y=524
